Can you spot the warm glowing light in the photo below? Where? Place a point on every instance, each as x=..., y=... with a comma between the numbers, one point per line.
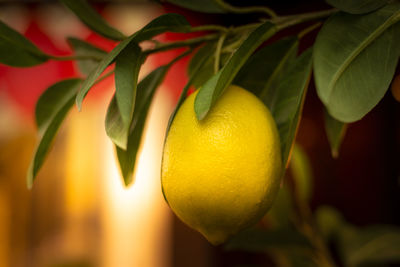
x=137, y=219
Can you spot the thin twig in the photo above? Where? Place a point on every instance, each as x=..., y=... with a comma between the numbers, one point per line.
x=309, y=29
x=242, y=10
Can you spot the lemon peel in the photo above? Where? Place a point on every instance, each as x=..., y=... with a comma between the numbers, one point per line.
x=221, y=174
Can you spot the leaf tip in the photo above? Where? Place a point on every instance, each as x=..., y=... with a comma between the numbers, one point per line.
x=128, y=179
x=30, y=177
x=335, y=153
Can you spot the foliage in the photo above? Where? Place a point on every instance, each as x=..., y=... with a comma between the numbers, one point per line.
x=353, y=62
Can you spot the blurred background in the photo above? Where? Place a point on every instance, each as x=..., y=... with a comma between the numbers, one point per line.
x=79, y=213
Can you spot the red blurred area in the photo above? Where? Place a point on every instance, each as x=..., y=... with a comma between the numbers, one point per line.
x=25, y=85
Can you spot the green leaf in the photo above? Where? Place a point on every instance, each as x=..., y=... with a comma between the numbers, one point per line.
x=286, y=101
x=357, y=6
x=301, y=169
x=168, y=22
x=355, y=59
x=378, y=244
x=205, y=6
x=63, y=103
x=127, y=69
x=214, y=88
x=16, y=50
x=92, y=19
x=335, y=131
x=82, y=48
x=264, y=70
x=53, y=99
x=145, y=91
x=257, y=240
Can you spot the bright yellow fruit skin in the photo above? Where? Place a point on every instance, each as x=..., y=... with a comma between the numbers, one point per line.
x=221, y=175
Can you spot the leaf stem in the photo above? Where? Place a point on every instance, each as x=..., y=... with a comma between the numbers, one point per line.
x=190, y=42
x=281, y=22
x=242, y=10
x=291, y=20
x=202, y=28
x=218, y=52
x=309, y=29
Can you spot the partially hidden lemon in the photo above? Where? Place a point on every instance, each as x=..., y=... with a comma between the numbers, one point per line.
x=220, y=175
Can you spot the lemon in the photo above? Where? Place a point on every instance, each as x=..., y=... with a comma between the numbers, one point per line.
x=220, y=175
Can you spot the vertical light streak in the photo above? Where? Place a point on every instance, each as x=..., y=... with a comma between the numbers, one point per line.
x=137, y=222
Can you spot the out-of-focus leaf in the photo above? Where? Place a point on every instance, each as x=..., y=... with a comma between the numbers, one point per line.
x=16, y=50
x=255, y=240
x=205, y=6
x=52, y=100
x=82, y=48
x=335, y=131
x=378, y=244
x=115, y=126
x=286, y=101
x=59, y=110
x=265, y=69
x=214, y=87
x=355, y=58
x=127, y=69
x=92, y=19
x=357, y=6
x=168, y=22
x=329, y=221
x=300, y=167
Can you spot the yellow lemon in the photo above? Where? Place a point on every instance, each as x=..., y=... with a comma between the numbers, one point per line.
x=220, y=175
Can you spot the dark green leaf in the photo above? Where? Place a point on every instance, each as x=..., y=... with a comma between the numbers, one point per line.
x=286, y=102
x=82, y=48
x=214, y=88
x=335, y=131
x=168, y=22
x=127, y=66
x=377, y=244
x=59, y=111
x=254, y=239
x=355, y=59
x=357, y=6
x=92, y=19
x=52, y=100
x=266, y=68
x=16, y=50
x=205, y=6
x=115, y=127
